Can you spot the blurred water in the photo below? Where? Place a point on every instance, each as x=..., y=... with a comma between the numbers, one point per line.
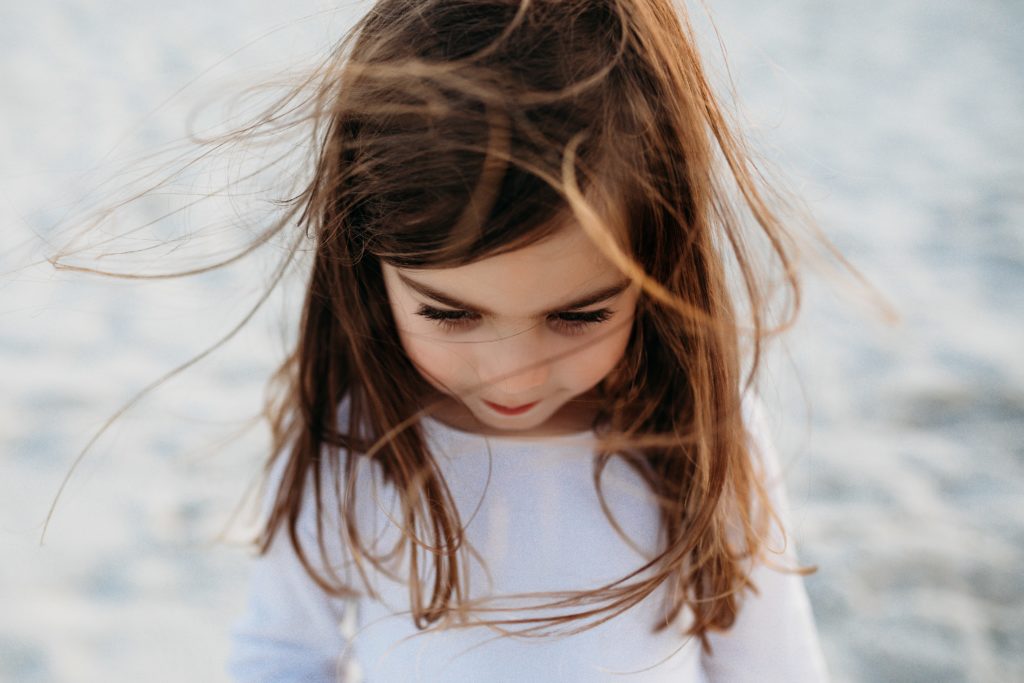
x=900, y=124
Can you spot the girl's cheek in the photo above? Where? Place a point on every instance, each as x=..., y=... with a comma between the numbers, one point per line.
x=436, y=360
x=604, y=356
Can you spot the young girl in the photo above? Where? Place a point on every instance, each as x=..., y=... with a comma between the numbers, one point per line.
x=517, y=438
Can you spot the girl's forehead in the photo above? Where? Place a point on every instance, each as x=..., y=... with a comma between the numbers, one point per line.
x=567, y=249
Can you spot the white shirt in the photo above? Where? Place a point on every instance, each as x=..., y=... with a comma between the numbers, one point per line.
x=539, y=526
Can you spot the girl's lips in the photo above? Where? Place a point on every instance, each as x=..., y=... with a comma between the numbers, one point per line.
x=505, y=410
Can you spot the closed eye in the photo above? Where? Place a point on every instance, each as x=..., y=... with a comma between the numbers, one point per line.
x=568, y=322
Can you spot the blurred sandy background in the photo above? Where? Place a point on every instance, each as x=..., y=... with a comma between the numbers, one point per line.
x=899, y=122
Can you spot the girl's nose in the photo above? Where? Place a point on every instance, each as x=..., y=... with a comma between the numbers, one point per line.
x=516, y=366
x=526, y=382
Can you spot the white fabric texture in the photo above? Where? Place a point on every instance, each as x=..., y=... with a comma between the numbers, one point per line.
x=539, y=526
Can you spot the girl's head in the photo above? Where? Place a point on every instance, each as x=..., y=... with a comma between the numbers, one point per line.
x=493, y=162
x=515, y=155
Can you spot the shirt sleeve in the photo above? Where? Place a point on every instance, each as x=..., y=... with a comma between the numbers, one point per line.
x=291, y=630
x=774, y=638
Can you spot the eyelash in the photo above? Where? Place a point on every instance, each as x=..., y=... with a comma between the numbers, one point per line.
x=570, y=322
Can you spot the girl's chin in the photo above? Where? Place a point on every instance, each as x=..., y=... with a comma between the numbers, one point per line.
x=568, y=417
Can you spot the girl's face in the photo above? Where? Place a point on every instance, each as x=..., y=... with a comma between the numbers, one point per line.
x=489, y=321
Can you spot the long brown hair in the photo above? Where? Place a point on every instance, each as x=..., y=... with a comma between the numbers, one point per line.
x=453, y=130
x=447, y=131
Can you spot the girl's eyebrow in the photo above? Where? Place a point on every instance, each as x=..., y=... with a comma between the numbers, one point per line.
x=592, y=298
